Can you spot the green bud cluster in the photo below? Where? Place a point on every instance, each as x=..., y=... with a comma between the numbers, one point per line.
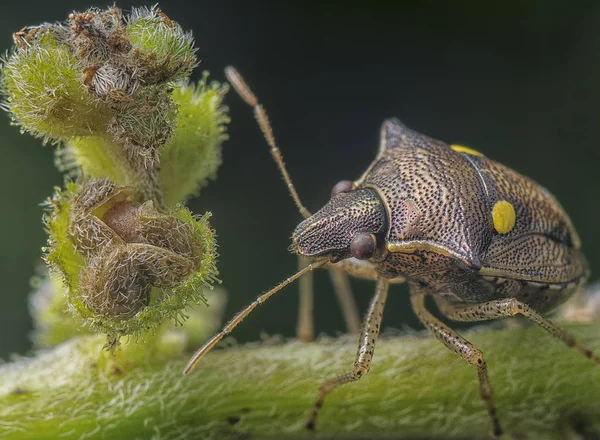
x=135, y=139
x=106, y=87
x=127, y=266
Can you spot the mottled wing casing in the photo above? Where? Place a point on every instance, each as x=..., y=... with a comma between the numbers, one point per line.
x=543, y=245
x=440, y=199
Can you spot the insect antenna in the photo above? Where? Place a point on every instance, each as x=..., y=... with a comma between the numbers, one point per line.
x=260, y=114
x=241, y=315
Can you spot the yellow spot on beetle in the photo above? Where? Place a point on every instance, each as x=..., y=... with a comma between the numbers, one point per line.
x=463, y=149
x=504, y=217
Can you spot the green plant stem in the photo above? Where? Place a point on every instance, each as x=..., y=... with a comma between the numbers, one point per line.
x=416, y=389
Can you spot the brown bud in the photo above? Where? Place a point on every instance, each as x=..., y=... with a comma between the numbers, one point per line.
x=122, y=219
x=113, y=285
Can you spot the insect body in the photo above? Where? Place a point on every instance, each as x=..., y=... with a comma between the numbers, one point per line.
x=482, y=240
x=454, y=223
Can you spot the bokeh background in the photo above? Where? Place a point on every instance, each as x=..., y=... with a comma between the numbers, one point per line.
x=519, y=81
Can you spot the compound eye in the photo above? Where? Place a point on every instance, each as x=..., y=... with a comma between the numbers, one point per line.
x=363, y=246
x=342, y=187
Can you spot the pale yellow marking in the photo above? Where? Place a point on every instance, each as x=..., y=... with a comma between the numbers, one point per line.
x=504, y=217
x=467, y=150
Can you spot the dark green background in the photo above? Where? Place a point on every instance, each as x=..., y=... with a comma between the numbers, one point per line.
x=518, y=80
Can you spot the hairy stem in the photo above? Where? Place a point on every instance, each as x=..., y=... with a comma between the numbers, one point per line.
x=416, y=389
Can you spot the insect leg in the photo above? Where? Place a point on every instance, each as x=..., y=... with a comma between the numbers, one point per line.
x=305, y=328
x=460, y=346
x=341, y=285
x=260, y=114
x=366, y=348
x=343, y=291
x=503, y=308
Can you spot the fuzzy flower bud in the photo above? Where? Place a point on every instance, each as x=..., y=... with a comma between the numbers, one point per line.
x=159, y=43
x=127, y=266
x=42, y=80
x=103, y=84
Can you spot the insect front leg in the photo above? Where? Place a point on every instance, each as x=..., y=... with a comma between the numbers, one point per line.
x=503, y=308
x=460, y=346
x=366, y=348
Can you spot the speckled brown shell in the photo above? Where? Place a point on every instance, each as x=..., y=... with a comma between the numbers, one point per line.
x=441, y=200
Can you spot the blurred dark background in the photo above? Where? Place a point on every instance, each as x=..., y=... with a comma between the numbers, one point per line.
x=519, y=81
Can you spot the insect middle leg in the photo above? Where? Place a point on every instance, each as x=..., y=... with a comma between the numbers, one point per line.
x=366, y=348
x=305, y=327
x=343, y=291
x=507, y=307
x=460, y=346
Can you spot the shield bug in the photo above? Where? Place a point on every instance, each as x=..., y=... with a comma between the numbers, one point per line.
x=482, y=240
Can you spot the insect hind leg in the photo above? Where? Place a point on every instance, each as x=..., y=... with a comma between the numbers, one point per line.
x=508, y=307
